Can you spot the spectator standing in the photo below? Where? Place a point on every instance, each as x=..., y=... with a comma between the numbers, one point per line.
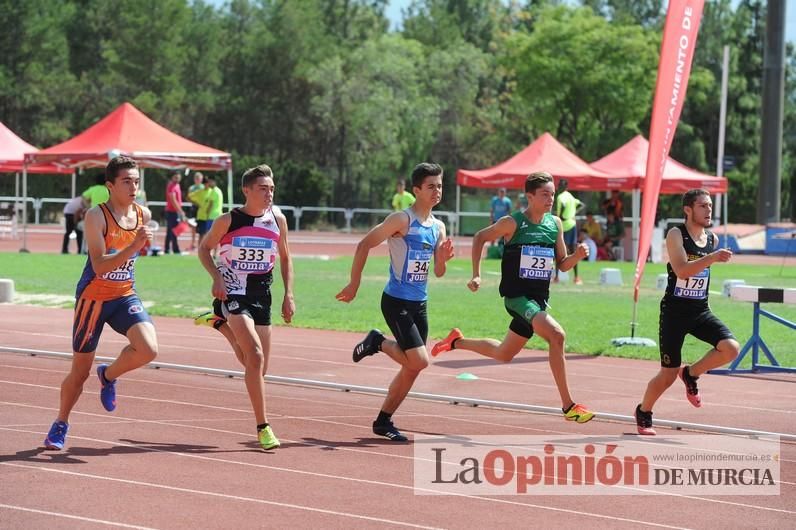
x=73, y=213
x=198, y=184
x=614, y=205
x=96, y=194
x=501, y=206
x=174, y=213
x=402, y=198
x=566, y=208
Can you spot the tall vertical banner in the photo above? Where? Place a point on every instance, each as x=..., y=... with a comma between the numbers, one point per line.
x=674, y=68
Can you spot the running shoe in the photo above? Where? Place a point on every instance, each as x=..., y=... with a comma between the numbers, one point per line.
x=208, y=319
x=267, y=438
x=644, y=422
x=108, y=392
x=578, y=281
x=369, y=346
x=446, y=344
x=691, y=390
x=578, y=413
x=388, y=430
x=57, y=436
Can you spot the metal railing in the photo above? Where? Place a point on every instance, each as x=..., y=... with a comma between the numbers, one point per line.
x=453, y=219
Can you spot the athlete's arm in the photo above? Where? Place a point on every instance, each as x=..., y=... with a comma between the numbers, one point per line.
x=397, y=223
x=504, y=227
x=209, y=242
x=443, y=252
x=95, y=241
x=678, y=258
x=568, y=260
x=286, y=268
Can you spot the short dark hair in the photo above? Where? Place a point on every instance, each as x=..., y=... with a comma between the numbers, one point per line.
x=690, y=197
x=116, y=163
x=423, y=170
x=252, y=174
x=537, y=180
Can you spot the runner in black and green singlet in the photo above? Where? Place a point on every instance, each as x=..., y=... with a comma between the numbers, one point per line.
x=535, y=246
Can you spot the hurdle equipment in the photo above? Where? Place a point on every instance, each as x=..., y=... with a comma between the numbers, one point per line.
x=6, y=290
x=727, y=286
x=661, y=281
x=758, y=295
x=610, y=277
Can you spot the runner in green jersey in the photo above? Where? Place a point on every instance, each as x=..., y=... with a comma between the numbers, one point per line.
x=535, y=245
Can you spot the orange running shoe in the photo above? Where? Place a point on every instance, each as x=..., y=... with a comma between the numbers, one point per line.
x=446, y=344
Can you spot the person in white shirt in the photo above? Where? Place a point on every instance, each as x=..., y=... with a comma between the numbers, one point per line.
x=73, y=213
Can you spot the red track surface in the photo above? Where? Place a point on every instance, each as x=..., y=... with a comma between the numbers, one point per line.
x=180, y=452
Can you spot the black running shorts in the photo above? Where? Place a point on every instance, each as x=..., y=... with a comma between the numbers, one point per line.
x=675, y=323
x=258, y=308
x=407, y=320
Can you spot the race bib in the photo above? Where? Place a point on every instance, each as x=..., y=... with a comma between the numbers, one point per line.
x=537, y=263
x=252, y=254
x=417, y=266
x=693, y=288
x=123, y=272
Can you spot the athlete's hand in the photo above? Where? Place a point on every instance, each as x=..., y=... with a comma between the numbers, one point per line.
x=348, y=293
x=446, y=250
x=582, y=251
x=219, y=290
x=142, y=236
x=723, y=255
x=474, y=284
x=288, y=309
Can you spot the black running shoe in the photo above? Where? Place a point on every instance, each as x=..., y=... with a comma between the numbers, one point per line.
x=369, y=346
x=388, y=430
x=644, y=422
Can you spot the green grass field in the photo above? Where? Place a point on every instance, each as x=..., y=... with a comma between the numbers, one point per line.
x=592, y=314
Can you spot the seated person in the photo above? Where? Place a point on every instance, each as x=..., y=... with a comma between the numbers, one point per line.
x=614, y=230
x=583, y=237
x=593, y=228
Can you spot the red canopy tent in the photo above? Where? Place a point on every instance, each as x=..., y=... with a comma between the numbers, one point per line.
x=630, y=160
x=12, y=154
x=128, y=131
x=544, y=154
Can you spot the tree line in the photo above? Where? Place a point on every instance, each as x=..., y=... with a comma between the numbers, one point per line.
x=341, y=104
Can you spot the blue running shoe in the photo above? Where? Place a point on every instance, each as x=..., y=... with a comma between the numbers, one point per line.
x=57, y=436
x=108, y=392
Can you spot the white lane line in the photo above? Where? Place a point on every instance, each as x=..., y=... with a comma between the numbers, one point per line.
x=319, y=475
x=221, y=495
x=76, y=517
x=401, y=486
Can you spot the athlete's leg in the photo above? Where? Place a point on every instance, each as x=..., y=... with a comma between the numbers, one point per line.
x=143, y=349
x=725, y=352
x=551, y=331
x=503, y=351
x=657, y=386
x=254, y=361
x=416, y=360
x=72, y=385
x=225, y=330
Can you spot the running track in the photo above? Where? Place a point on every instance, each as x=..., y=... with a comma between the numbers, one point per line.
x=179, y=452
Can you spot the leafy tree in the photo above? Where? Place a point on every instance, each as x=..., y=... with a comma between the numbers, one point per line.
x=586, y=81
x=35, y=82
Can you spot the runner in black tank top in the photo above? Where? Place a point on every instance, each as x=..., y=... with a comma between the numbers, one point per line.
x=252, y=239
x=685, y=309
